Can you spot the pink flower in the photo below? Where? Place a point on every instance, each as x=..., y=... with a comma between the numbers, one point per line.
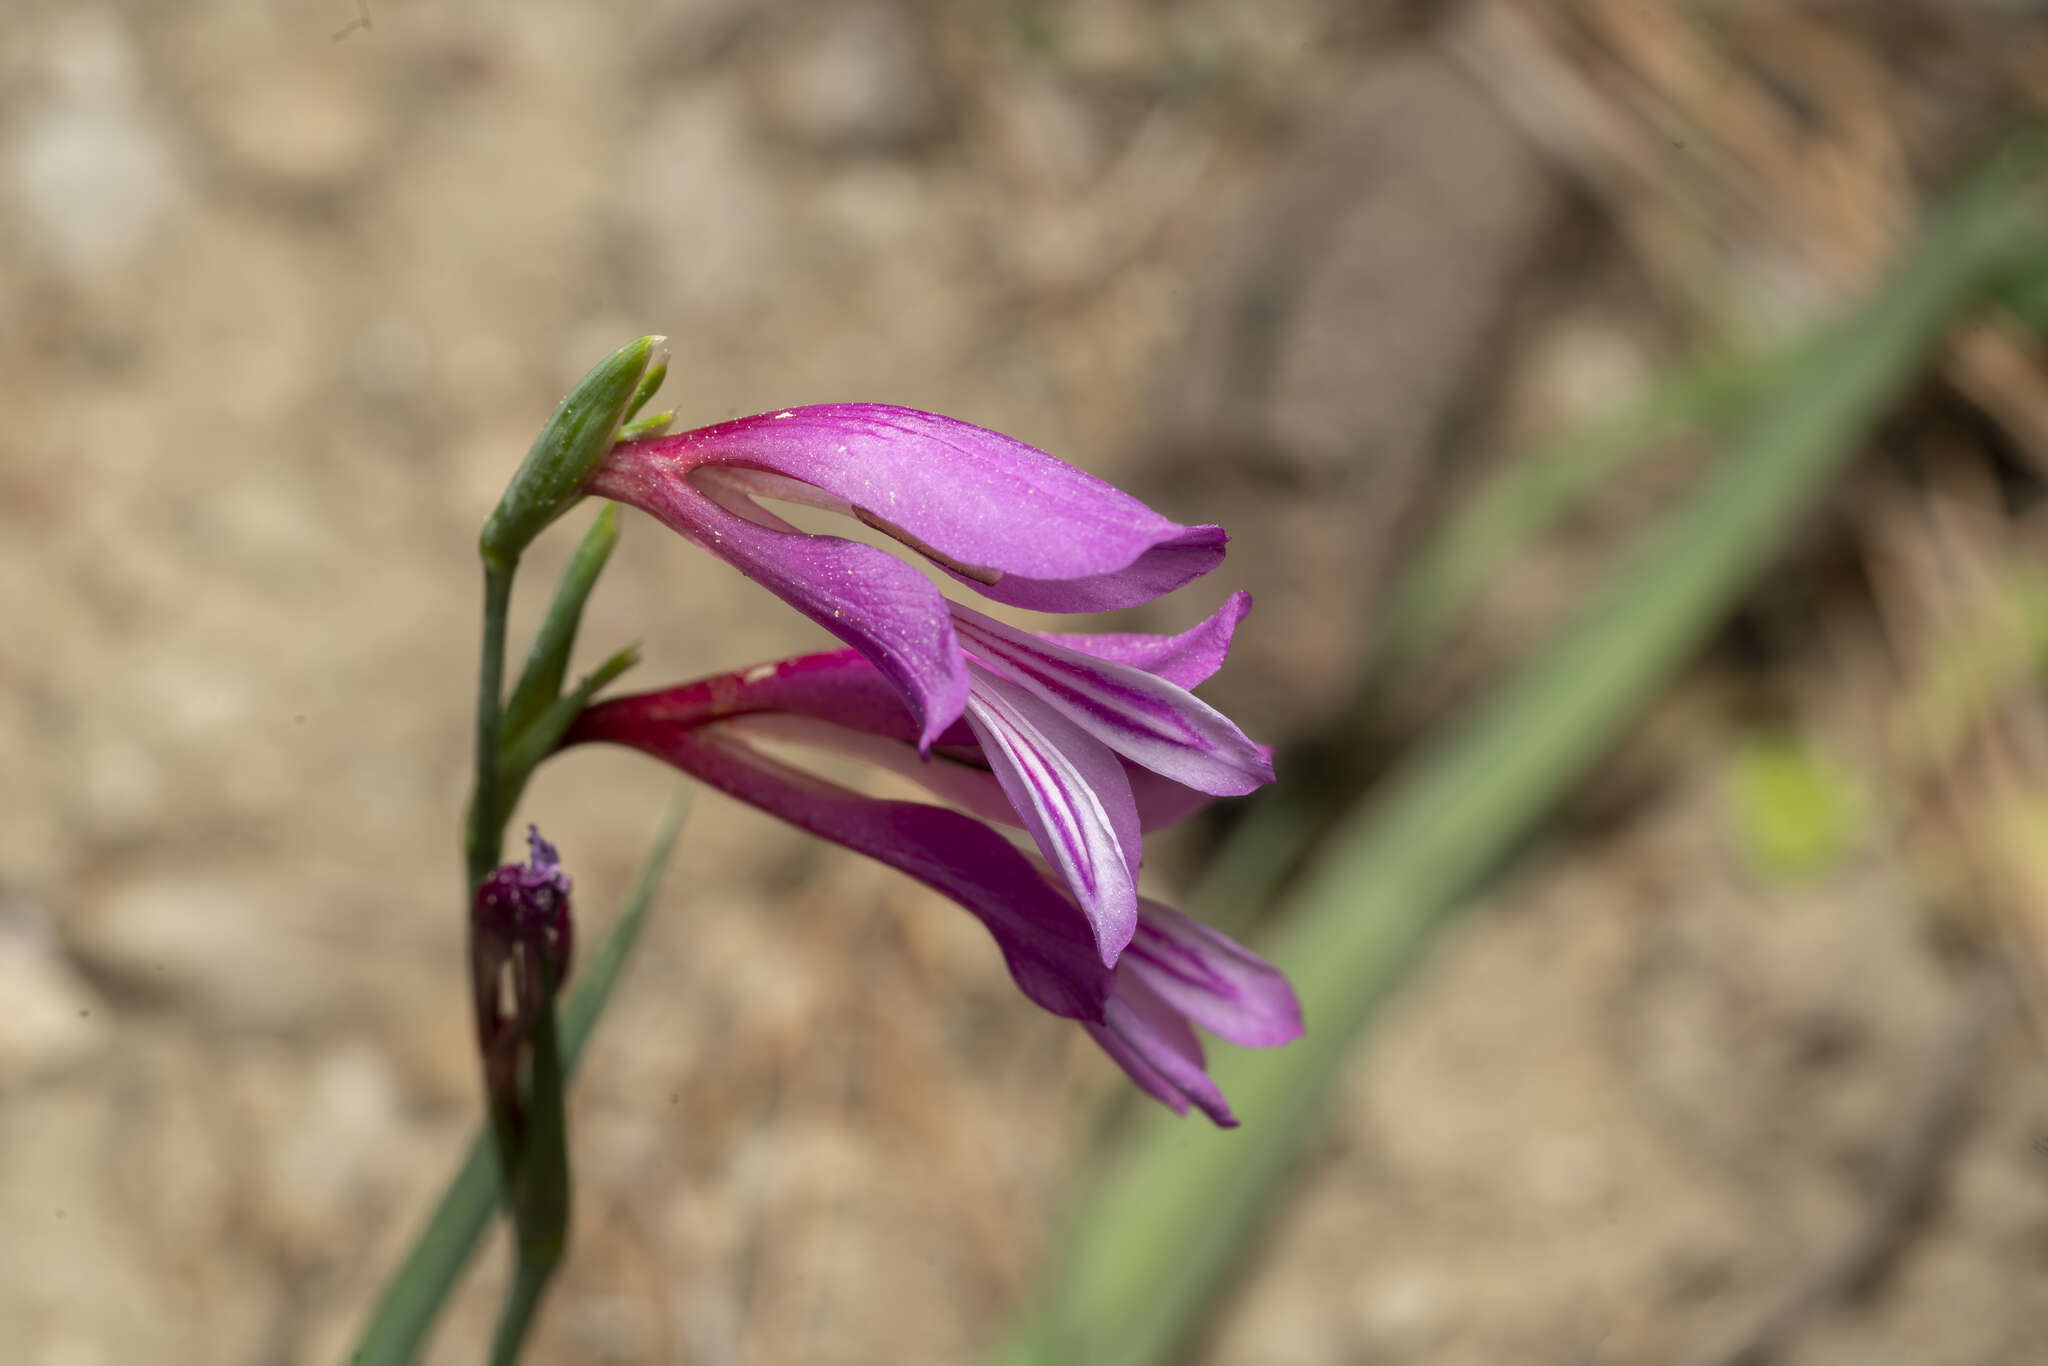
x=1081, y=741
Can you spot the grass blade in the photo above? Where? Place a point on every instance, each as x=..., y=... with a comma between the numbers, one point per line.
x=1509, y=510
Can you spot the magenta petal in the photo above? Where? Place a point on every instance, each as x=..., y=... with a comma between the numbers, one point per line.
x=1212, y=979
x=1158, y=570
x=1073, y=798
x=1017, y=524
x=1140, y=715
x=1144, y=1036
x=1160, y=801
x=836, y=686
x=1187, y=659
x=967, y=786
x=873, y=601
x=835, y=700
x=1049, y=946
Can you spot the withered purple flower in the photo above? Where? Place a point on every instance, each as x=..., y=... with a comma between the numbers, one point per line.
x=528, y=903
x=1070, y=733
x=520, y=944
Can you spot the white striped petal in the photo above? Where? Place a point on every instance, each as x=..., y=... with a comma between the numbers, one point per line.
x=1072, y=796
x=1153, y=723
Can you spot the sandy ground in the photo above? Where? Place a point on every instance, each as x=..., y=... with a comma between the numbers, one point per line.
x=279, y=310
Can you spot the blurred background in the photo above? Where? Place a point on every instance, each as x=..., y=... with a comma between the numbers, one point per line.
x=1738, y=1058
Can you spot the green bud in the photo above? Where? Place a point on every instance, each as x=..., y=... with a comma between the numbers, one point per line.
x=570, y=446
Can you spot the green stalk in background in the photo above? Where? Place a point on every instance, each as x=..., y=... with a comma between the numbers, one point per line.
x=1512, y=506
x=1177, y=1210
x=1505, y=514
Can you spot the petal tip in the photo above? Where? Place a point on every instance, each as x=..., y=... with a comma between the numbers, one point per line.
x=1113, y=937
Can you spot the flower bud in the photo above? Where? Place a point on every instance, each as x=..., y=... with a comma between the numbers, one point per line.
x=576, y=438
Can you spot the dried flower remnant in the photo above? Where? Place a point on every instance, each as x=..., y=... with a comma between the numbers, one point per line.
x=521, y=941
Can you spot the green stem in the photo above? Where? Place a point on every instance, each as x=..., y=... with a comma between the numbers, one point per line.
x=533, y=1165
x=486, y=834
x=539, y=1192
x=520, y=1307
x=538, y=1184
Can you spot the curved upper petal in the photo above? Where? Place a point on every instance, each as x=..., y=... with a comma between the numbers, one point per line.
x=867, y=597
x=1186, y=660
x=1013, y=522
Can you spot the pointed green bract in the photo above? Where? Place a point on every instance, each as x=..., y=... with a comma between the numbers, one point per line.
x=540, y=682
x=524, y=750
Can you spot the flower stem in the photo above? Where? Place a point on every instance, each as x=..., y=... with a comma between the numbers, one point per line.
x=484, y=840
x=531, y=1146
x=537, y=1188
x=527, y=1288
